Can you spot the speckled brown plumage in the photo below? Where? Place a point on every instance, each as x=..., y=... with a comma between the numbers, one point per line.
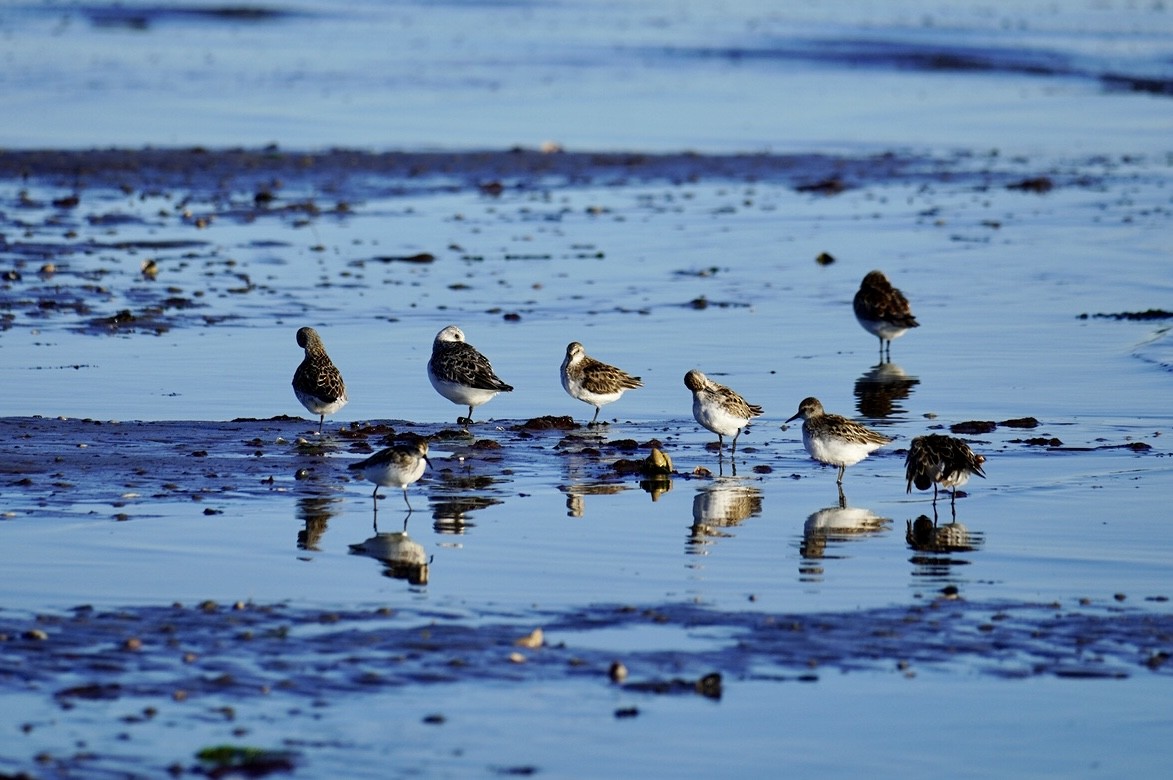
x=317, y=383
x=718, y=408
x=593, y=381
x=882, y=309
x=937, y=459
x=460, y=373
x=833, y=439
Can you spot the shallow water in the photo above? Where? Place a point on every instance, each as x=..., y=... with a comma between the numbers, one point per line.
x=544, y=534
x=817, y=618
x=617, y=75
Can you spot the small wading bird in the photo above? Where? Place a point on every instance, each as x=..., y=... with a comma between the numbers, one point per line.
x=882, y=310
x=397, y=466
x=462, y=374
x=317, y=383
x=719, y=409
x=593, y=381
x=946, y=461
x=835, y=440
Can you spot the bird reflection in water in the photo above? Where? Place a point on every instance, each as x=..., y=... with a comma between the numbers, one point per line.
x=315, y=512
x=879, y=391
x=723, y=504
x=403, y=558
x=451, y=516
x=838, y=524
x=454, y=495
x=924, y=535
x=576, y=494
x=937, y=546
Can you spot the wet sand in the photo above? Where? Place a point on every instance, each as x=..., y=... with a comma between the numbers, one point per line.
x=195, y=584
x=222, y=578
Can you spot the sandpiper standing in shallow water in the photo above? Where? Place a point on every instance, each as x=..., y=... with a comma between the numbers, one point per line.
x=397, y=466
x=461, y=374
x=835, y=440
x=318, y=382
x=718, y=408
x=593, y=381
x=942, y=460
x=882, y=310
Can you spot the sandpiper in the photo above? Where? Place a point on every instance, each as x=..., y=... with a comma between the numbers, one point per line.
x=397, y=466
x=317, y=382
x=593, y=381
x=882, y=310
x=718, y=408
x=833, y=439
x=462, y=374
x=942, y=460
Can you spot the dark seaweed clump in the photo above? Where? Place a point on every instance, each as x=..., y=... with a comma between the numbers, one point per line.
x=1134, y=316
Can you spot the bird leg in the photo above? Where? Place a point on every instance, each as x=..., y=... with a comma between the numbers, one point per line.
x=839, y=480
x=595, y=419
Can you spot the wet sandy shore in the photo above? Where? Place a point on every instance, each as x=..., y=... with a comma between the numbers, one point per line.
x=353, y=173
x=144, y=669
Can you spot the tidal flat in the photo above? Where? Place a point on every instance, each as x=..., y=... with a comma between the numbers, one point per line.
x=194, y=583
x=190, y=565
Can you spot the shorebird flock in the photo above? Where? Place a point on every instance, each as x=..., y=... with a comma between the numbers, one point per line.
x=464, y=376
